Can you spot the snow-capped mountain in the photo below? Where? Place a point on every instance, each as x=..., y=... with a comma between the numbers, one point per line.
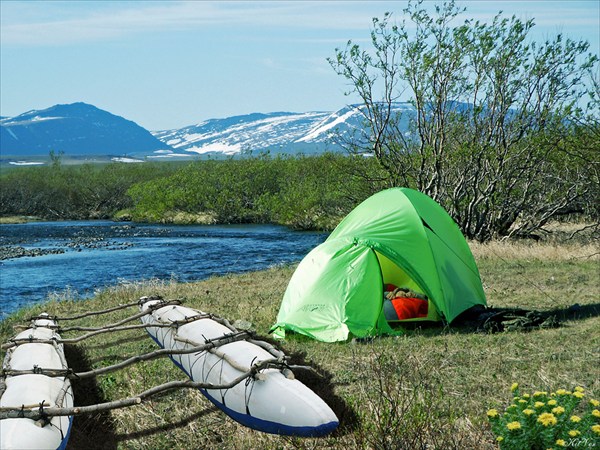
x=284, y=132
x=75, y=129
x=278, y=131
x=80, y=129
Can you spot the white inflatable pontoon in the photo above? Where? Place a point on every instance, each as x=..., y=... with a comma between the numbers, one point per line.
x=34, y=389
x=270, y=401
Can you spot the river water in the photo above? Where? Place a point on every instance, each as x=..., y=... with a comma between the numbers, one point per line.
x=87, y=256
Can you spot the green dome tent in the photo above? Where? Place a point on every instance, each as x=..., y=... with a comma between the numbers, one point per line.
x=398, y=236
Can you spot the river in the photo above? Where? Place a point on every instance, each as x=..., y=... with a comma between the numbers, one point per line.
x=86, y=256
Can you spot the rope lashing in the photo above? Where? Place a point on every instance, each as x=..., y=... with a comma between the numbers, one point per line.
x=37, y=370
x=44, y=418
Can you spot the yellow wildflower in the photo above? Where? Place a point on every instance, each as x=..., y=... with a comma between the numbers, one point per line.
x=578, y=394
x=596, y=413
x=596, y=429
x=558, y=410
x=574, y=433
x=525, y=396
x=547, y=419
x=575, y=419
x=561, y=392
x=514, y=387
x=528, y=412
x=594, y=402
x=539, y=393
x=552, y=402
x=561, y=442
x=513, y=425
x=522, y=401
x=539, y=404
x=492, y=413
x=499, y=439
x=579, y=389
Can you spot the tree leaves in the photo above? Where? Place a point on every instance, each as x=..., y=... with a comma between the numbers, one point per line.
x=491, y=107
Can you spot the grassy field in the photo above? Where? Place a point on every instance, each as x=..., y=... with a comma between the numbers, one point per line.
x=429, y=388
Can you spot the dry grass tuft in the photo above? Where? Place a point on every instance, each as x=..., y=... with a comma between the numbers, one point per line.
x=534, y=251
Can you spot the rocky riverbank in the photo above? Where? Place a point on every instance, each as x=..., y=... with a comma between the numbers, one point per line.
x=77, y=244
x=95, y=243
x=12, y=252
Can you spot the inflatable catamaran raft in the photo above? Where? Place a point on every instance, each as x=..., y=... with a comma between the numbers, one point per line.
x=270, y=400
x=30, y=388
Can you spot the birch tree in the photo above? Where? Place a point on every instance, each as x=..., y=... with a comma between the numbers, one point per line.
x=492, y=112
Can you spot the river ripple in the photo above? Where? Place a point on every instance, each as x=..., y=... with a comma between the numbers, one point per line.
x=48, y=257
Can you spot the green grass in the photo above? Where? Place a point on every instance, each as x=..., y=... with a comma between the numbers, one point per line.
x=429, y=386
x=18, y=219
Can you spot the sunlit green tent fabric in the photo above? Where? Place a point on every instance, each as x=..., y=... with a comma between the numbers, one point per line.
x=337, y=289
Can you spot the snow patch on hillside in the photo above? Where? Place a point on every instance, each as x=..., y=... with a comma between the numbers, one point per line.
x=127, y=160
x=326, y=125
x=27, y=163
x=220, y=147
x=171, y=155
x=11, y=133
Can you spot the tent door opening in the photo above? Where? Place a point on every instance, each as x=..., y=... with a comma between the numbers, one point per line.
x=401, y=309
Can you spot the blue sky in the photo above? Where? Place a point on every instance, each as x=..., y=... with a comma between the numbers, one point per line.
x=168, y=64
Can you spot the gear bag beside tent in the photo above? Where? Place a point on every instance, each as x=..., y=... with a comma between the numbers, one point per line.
x=398, y=236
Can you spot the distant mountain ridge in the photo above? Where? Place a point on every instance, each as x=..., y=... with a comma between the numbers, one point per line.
x=285, y=132
x=82, y=129
x=77, y=128
x=277, y=131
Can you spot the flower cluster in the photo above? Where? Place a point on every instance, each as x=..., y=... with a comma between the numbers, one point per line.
x=543, y=420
